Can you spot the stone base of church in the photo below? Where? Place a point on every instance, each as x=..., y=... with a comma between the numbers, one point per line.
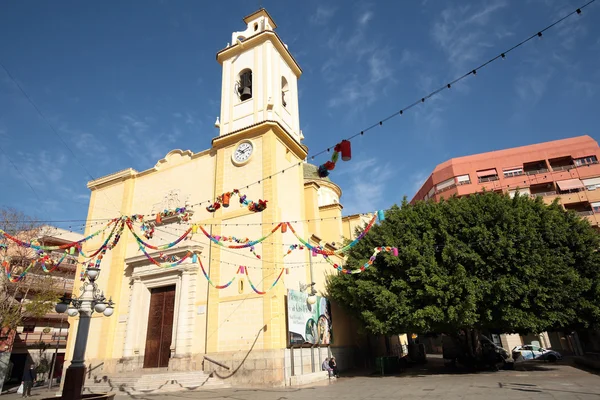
x=259, y=367
x=273, y=368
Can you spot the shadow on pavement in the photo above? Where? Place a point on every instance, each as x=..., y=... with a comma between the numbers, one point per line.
x=435, y=366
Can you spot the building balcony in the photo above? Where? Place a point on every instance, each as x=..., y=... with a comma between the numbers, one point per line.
x=572, y=198
x=46, y=282
x=452, y=186
x=483, y=179
x=33, y=339
x=563, y=168
x=551, y=193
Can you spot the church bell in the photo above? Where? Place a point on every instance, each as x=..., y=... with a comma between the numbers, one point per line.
x=246, y=93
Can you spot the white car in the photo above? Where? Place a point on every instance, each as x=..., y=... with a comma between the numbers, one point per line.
x=531, y=352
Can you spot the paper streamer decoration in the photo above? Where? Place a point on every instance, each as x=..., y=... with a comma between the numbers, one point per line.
x=225, y=198
x=345, y=149
x=392, y=250
x=317, y=250
x=211, y=282
x=272, y=285
x=161, y=247
x=217, y=239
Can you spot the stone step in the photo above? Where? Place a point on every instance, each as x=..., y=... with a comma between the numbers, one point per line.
x=160, y=382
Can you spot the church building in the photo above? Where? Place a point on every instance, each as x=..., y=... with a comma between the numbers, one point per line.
x=174, y=318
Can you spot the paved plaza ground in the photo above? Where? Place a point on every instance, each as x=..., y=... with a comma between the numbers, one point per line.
x=534, y=381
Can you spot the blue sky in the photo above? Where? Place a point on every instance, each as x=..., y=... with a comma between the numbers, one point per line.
x=125, y=82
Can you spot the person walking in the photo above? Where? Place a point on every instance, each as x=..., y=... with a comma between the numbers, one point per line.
x=28, y=380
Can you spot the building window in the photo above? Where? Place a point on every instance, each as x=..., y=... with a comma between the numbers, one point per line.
x=463, y=179
x=535, y=167
x=591, y=183
x=28, y=328
x=244, y=85
x=487, y=175
x=510, y=172
x=570, y=186
x=445, y=185
x=284, y=91
x=596, y=207
x=585, y=161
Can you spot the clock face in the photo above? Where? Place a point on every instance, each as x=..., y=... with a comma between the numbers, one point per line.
x=243, y=152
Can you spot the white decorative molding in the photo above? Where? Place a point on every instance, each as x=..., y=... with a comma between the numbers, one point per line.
x=174, y=251
x=174, y=157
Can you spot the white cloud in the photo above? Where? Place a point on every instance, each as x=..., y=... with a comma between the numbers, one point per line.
x=365, y=18
x=368, y=186
x=88, y=143
x=354, y=57
x=42, y=168
x=416, y=180
x=145, y=145
x=322, y=15
x=531, y=88
x=463, y=33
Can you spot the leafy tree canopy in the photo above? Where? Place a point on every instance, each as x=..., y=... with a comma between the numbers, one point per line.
x=485, y=262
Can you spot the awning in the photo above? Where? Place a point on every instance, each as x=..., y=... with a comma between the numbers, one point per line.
x=487, y=172
x=570, y=184
x=463, y=178
x=445, y=184
x=591, y=181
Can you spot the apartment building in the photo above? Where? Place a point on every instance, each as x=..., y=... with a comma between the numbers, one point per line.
x=566, y=169
x=42, y=341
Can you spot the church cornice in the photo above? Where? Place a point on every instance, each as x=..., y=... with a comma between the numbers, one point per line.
x=323, y=182
x=255, y=40
x=111, y=178
x=331, y=207
x=247, y=18
x=258, y=129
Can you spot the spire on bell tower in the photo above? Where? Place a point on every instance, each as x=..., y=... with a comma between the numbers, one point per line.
x=260, y=78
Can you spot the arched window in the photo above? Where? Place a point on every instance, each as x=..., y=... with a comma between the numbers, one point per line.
x=244, y=85
x=284, y=90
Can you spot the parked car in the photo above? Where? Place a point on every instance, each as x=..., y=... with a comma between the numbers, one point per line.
x=454, y=351
x=532, y=352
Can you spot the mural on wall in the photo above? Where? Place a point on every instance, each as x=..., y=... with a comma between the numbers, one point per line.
x=308, y=323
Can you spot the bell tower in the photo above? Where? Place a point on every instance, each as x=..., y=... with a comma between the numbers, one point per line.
x=260, y=79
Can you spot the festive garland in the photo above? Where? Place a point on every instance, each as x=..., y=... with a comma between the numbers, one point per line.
x=162, y=247
x=249, y=243
x=254, y=287
x=211, y=282
x=393, y=250
x=319, y=250
x=225, y=198
x=34, y=244
x=120, y=223
x=342, y=147
x=175, y=263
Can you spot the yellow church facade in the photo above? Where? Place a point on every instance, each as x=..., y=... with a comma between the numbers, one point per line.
x=175, y=318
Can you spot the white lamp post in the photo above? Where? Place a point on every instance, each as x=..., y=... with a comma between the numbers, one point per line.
x=91, y=300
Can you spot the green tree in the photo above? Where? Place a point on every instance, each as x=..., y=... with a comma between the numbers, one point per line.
x=484, y=262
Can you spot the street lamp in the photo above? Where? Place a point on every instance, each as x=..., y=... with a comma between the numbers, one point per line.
x=312, y=295
x=91, y=300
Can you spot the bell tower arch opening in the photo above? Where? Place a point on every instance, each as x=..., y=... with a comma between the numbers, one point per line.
x=259, y=80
